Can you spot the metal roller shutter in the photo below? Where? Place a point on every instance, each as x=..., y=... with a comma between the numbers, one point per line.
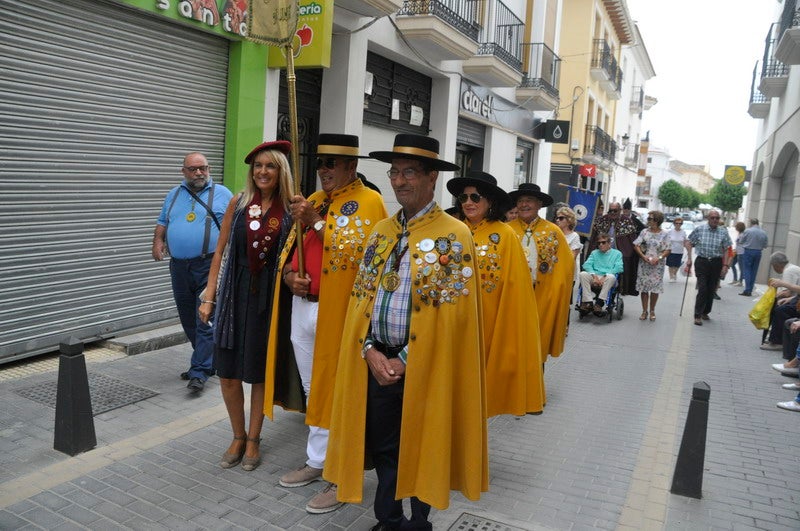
x=98, y=105
x=471, y=133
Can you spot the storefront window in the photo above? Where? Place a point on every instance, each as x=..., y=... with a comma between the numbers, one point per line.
x=522, y=166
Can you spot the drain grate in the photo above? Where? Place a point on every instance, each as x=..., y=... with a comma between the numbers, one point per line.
x=471, y=522
x=106, y=393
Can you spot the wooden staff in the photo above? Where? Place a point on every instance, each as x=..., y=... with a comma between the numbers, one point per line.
x=293, y=134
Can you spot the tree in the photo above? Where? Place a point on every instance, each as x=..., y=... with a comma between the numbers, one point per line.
x=692, y=198
x=671, y=193
x=726, y=197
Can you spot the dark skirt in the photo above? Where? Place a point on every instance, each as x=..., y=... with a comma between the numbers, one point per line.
x=674, y=259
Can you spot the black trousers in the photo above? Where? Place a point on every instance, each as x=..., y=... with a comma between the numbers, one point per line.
x=384, y=415
x=779, y=316
x=707, y=271
x=790, y=340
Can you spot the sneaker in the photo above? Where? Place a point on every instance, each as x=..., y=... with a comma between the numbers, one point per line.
x=300, y=477
x=785, y=370
x=792, y=405
x=770, y=346
x=326, y=501
x=791, y=387
x=185, y=375
x=196, y=385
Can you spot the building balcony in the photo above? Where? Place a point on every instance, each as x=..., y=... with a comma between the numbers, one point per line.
x=637, y=100
x=371, y=8
x=605, y=70
x=774, y=74
x=632, y=156
x=598, y=147
x=498, y=62
x=788, y=49
x=538, y=90
x=441, y=30
x=759, y=104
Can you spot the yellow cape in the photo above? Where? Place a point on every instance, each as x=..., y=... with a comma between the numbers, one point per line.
x=443, y=436
x=514, y=378
x=353, y=211
x=553, y=282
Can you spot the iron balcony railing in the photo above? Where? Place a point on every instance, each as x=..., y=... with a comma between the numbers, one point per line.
x=599, y=143
x=460, y=14
x=771, y=66
x=755, y=95
x=603, y=58
x=545, y=69
x=637, y=99
x=632, y=155
x=503, y=35
x=790, y=17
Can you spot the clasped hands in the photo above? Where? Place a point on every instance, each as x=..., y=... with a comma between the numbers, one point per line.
x=386, y=371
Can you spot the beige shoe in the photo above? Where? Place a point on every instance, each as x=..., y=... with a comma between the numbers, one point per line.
x=300, y=477
x=325, y=501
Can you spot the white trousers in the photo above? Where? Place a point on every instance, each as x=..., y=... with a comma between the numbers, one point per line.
x=304, y=331
x=586, y=284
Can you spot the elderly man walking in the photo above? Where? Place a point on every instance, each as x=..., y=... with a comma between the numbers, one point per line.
x=710, y=244
x=753, y=241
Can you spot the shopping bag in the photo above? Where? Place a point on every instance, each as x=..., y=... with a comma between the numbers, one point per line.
x=760, y=313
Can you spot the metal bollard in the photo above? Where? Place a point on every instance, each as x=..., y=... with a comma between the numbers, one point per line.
x=688, y=477
x=74, y=431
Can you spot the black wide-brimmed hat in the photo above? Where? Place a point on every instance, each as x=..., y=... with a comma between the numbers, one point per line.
x=482, y=181
x=532, y=190
x=416, y=147
x=284, y=146
x=338, y=145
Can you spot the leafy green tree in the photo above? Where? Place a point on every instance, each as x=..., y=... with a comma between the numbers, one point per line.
x=671, y=193
x=692, y=198
x=726, y=197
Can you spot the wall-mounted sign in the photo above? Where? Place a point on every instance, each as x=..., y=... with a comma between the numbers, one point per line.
x=230, y=15
x=735, y=175
x=482, y=103
x=556, y=131
x=312, y=41
x=475, y=104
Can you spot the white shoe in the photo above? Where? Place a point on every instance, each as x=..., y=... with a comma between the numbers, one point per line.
x=785, y=370
x=791, y=387
x=791, y=405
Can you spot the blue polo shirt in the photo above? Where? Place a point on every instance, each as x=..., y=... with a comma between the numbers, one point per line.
x=184, y=237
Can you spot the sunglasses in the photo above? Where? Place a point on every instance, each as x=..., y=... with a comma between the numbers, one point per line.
x=475, y=198
x=602, y=242
x=560, y=218
x=613, y=211
x=329, y=162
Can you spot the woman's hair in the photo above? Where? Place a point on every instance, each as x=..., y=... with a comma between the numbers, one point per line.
x=568, y=213
x=657, y=216
x=284, y=180
x=497, y=210
x=740, y=226
x=677, y=219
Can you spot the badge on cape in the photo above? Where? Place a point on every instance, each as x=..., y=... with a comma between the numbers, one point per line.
x=494, y=238
x=426, y=245
x=349, y=208
x=391, y=281
x=191, y=216
x=255, y=225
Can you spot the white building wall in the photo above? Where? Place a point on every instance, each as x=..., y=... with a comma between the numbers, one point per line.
x=499, y=157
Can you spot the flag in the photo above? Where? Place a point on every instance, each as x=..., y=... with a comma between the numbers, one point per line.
x=587, y=170
x=584, y=203
x=272, y=22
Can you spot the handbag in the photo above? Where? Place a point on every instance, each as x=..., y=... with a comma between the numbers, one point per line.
x=760, y=314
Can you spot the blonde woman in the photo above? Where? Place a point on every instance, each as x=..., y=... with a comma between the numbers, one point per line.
x=566, y=221
x=253, y=232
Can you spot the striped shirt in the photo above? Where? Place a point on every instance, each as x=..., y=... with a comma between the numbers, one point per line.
x=391, y=314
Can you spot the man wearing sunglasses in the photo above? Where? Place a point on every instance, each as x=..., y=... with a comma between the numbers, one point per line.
x=336, y=222
x=710, y=242
x=187, y=229
x=623, y=231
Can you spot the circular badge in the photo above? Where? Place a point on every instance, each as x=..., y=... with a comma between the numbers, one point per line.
x=431, y=258
x=457, y=247
x=466, y=272
x=442, y=245
x=544, y=267
x=494, y=238
x=255, y=245
x=342, y=221
x=191, y=216
x=580, y=212
x=426, y=245
x=349, y=208
x=255, y=225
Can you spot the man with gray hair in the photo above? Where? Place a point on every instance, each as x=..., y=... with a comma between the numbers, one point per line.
x=785, y=307
x=753, y=241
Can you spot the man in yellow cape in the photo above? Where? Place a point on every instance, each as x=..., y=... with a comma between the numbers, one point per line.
x=551, y=264
x=337, y=220
x=410, y=387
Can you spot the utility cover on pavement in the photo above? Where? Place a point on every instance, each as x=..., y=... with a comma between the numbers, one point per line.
x=106, y=393
x=468, y=522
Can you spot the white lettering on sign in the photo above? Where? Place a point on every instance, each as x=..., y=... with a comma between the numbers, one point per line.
x=310, y=9
x=162, y=4
x=471, y=102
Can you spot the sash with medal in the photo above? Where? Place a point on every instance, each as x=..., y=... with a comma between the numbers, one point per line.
x=262, y=230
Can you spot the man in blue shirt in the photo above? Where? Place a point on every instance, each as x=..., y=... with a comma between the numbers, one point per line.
x=710, y=242
x=753, y=241
x=187, y=230
x=600, y=269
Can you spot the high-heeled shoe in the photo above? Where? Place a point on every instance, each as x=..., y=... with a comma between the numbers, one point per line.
x=251, y=463
x=230, y=460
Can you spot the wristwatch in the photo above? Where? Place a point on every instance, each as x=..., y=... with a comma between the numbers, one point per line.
x=367, y=345
x=319, y=225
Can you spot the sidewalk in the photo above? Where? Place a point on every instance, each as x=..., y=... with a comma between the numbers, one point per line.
x=601, y=456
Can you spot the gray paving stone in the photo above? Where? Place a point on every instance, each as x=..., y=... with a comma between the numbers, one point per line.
x=79, y=514
x=50, y=500
x=8, y=520
x=43, y=517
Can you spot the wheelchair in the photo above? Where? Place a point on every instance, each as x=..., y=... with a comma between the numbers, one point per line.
x=613, y=306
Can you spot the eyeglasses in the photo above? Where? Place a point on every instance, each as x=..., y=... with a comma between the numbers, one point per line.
x=613, y=211
x=560, y=218
x=192, y=169
x=713, y=217
x=602, y=242
x=475, y=198
x=329, y=162
x=407, y=173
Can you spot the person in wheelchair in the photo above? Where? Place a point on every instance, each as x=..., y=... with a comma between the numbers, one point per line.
x=600, y=270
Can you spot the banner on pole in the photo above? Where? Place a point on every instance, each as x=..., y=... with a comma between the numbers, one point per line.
x=584, y=203
x=272, y=22
x=311, y=40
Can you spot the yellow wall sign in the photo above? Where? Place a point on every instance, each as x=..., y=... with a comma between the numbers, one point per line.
x=312, y=41
x=734, y=175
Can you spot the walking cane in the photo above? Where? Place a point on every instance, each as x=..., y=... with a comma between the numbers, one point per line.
x=685, y=285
